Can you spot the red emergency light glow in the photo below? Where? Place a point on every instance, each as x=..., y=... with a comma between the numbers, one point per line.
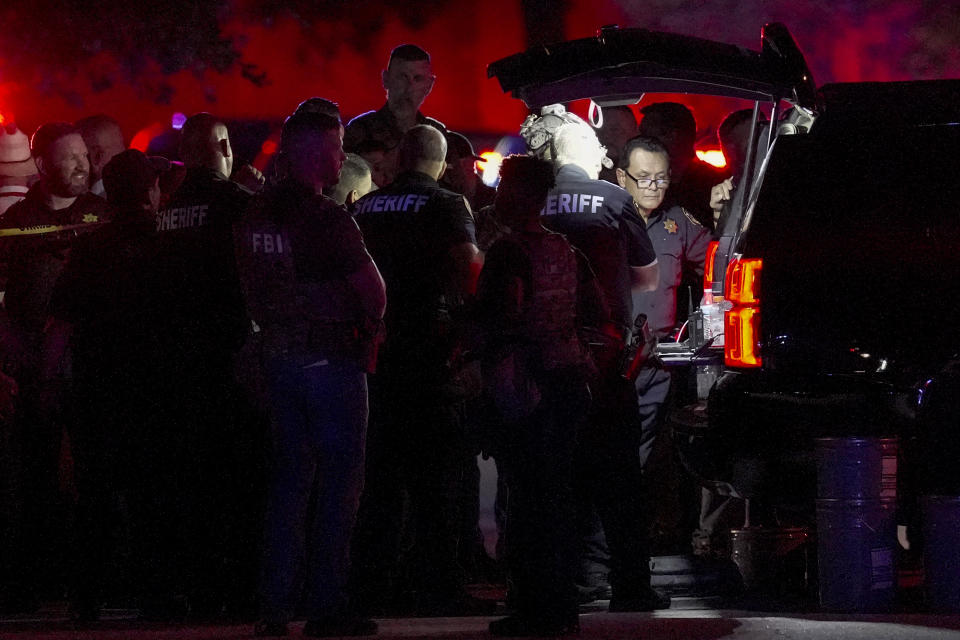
x=712, y=156
x=141, y=141
x=741, y=340
x=708, y=265
x=268, y=149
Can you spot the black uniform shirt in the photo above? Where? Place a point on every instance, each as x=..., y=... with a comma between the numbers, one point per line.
x=410, y=227
x=381, y=125
x=201, y=292
x=106, y=293
x=34, y=261
x=601, y=220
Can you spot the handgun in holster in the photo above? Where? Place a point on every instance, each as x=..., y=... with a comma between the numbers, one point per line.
x=640, y=350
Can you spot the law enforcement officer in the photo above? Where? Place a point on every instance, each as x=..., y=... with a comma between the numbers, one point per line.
x=422, y=237
x=692, y=179
x=408, y=80
x=355, y=181
x=461, y=175
x=535, y=291
x=600, y=219
x=681, y=245
x=35, y=240
x=201, y=324
x=317, y=298
x=102, y=307
x=618, y=125
x=104, y=139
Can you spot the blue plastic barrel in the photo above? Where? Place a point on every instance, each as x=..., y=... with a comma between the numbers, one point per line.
x=941, y=551
x=856, y=468
x=856, y=547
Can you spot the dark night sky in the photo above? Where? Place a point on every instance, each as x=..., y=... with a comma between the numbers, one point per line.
x=337, y=48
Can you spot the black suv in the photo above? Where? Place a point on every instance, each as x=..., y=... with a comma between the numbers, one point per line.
x=836, y=281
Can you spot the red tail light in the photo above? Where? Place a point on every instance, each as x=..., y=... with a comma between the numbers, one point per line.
x=742, y=321
x=708, y=271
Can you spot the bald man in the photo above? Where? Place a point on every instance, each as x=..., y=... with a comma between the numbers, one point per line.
x=104, y=139
x=422, y=238
x=201, y=324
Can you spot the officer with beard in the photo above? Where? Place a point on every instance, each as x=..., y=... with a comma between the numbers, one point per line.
x=35, y=241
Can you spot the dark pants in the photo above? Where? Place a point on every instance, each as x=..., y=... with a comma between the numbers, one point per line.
x=187, y=488
x=537, y=459
x=653, y=389
x=107, y=460
x=319, y=419
x=609, y=478
x=406, y=543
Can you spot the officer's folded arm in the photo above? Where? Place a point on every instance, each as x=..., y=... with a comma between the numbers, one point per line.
x=645, y=278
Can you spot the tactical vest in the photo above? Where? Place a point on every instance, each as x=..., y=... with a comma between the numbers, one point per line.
x=294, y=316
x=550, y=313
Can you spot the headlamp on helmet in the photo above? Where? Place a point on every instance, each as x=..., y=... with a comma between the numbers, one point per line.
x=538, y=131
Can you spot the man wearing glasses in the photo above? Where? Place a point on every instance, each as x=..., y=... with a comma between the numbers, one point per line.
x=681, y=244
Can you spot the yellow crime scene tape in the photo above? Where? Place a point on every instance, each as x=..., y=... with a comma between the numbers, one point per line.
x=33, y=231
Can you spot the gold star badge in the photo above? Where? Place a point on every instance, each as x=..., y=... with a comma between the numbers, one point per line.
x=670, y=225
x=90, y=217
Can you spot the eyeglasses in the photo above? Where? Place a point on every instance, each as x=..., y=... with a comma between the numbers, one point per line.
x=648, y=183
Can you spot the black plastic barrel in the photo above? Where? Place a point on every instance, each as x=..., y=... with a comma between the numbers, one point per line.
x=857, y=468
x=941, y=551
x=856, y=546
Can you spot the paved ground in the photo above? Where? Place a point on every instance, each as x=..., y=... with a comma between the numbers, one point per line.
x=688, y=619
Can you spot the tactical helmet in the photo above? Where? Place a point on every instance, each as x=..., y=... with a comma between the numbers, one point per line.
x=538, y=131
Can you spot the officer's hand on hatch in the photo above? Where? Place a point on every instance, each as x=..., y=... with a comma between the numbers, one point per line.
x=720, y=195
x=250, y=177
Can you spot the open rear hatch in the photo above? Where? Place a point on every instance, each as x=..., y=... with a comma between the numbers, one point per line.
x=620, y=66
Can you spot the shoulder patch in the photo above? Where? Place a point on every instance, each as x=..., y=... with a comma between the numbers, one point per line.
x=692, y=220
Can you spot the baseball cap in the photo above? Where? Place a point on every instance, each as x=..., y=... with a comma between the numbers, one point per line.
x=458, y=145
x=128, y=175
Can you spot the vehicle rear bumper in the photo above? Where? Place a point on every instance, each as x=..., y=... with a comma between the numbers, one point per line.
x=756, y=437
